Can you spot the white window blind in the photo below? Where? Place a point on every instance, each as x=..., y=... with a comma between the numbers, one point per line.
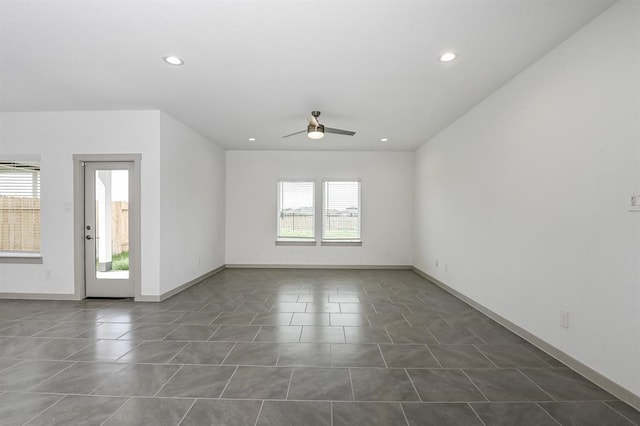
x=19, y=206
x=296, y=209
x=341, y=211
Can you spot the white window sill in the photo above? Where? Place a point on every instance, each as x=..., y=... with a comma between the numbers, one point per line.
x=18, y=257
x=295, y=242
x=355, y=243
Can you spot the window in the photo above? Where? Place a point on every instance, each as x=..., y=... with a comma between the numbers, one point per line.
x=341, y=211
x=19, y=207
x=296, y=210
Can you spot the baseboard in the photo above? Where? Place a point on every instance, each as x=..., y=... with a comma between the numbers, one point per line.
x=40, y=296
x=293, y=266
x=180, y=288
x=584, y=370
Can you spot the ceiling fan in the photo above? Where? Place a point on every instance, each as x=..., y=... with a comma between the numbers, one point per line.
x=315, y=130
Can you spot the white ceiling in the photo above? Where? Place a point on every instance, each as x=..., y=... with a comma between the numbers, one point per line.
x=256, y=68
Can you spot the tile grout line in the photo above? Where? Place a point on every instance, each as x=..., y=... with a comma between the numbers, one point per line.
x=617, y=411
x=229, y=353
x=476, y=334
x=214, y=319
x=178, y=317
x=279, y=353
x=62, y=396
x=537, y=356
x=485, y=355
x=176, y=354
x=51, y=377
x=553, y=399
x=331, y=411
x=547, y=413
x=187, y=412
x=256, y=336
x=388, y=334
x=407, y=308
x=405, y=318
x=168, y=380
x=353, y=392
x=123, y=366
x=406, y=371
x=434, y=356
x=432, y=335
x=259, y=413
x=228, y=381
x=474, y=384
x=382, y=356
x=73, y=353
x=286, y=397
x=476, y=413
x=128, y=398
x=406, y=419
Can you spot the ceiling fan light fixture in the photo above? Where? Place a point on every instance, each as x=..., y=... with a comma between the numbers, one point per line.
x=315, y=132
x=447, y=57
x=173, y=60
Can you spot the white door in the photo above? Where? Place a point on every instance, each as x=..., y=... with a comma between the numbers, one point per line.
x=107, y=233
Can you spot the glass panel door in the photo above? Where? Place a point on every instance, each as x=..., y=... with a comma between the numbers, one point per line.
x=107, y=187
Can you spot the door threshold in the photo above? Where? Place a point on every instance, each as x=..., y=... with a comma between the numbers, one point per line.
x=107, y=298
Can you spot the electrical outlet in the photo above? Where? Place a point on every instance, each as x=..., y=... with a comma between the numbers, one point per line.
x=437, y=263
x=564, y=318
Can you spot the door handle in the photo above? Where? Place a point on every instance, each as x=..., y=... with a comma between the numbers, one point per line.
x=89, y=237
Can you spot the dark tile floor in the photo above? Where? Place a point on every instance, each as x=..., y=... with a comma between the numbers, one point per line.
x=285, y=347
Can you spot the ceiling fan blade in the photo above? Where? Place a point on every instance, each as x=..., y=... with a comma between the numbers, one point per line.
x=339, y=131
x=296, y=133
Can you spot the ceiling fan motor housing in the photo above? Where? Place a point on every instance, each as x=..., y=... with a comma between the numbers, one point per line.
x=315, y=132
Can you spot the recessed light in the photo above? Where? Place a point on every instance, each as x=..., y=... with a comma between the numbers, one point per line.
x=384, y=140
x=447, y=57
x=252, y=139
x=173, y=60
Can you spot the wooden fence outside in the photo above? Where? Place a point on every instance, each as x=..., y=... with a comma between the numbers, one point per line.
x=20, y=225
x=338, y=225
x=119, y=226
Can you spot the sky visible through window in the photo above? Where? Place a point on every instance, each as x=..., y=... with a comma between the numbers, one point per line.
x=297, y=196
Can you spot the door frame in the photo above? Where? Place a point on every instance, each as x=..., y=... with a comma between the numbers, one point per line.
x=78, y=218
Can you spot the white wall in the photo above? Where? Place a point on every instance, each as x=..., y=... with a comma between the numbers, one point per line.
x=525, y=198
x=192, y=182
x=387, y=206
x=56, y=136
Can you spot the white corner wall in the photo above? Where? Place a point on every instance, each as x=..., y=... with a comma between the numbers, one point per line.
x=525, y=198
x=387, y=207
x=192, y=213
x=55, y=137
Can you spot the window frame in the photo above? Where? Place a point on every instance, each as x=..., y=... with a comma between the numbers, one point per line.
x=340, y=241
x=296, y=241
x=34, y=257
